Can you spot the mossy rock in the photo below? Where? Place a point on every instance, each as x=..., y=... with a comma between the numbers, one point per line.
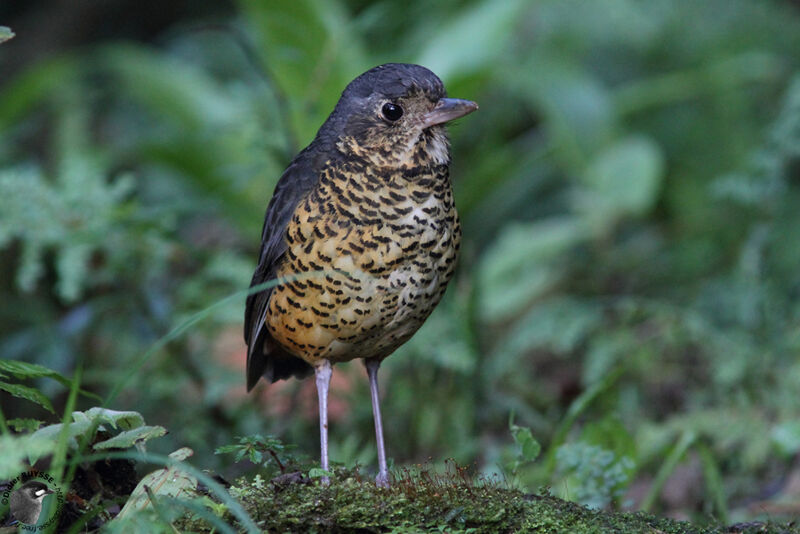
x=425, y=503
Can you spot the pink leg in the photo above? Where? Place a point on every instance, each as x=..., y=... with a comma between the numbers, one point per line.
x=323, y=373
x=382, y=479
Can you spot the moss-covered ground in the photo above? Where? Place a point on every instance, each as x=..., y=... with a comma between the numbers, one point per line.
x=419, y=501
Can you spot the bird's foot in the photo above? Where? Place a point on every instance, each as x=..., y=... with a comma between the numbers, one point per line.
x=382, y=480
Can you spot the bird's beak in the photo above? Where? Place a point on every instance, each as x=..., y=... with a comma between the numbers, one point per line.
x=447, y=109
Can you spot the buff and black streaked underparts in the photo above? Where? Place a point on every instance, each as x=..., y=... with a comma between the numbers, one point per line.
x=385, y=238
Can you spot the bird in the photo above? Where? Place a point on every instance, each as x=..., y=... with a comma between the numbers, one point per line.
x=25, y=503
x=362, y=235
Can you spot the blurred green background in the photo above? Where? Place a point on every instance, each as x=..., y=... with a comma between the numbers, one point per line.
x=628, y=288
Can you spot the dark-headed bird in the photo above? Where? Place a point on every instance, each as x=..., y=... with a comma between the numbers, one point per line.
x=25, y=503
x=362, y=232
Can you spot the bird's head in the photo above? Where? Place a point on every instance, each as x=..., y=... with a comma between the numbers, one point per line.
x=394, y=115
x=35, y=490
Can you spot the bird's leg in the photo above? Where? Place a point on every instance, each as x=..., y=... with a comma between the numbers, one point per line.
x=372, y=365
x=323, y=376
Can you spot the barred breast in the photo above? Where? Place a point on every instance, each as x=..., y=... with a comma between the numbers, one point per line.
x=379, y=249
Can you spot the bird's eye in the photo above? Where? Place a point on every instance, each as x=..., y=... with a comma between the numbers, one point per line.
x=391, y=112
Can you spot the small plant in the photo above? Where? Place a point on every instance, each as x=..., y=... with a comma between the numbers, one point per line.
x=262, y=451
x=594, y=476
x=528, y=449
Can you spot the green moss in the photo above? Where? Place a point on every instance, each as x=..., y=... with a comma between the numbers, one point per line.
x=422, y=501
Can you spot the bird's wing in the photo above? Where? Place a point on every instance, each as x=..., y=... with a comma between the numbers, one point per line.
x=265, y=357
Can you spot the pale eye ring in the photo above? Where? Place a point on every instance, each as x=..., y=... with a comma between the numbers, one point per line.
x=391, y=112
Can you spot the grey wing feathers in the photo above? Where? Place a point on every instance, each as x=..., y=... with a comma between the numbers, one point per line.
x=265, y=357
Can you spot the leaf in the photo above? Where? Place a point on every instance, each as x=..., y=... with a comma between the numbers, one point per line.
x=181, y=454
x=611, y=434
x=17, y=450
x=168, y=482
x=318, y=472
x=5, y=34
x=24, y=425
x=28, y=393
x=523, y=263
x=557, y=324
x=174, y=89
x=311, y=72
x=51, y=433
x=592, y=475
x=34, y=85
x=529, y=446
x=91, y=420
x=575, y=104
x=128, y=438
x=74, y=213
x=786, y=437
x=122, y=420
x=25, y=370
x=472, y=39
x=623, y=180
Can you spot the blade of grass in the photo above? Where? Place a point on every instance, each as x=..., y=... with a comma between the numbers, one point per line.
x=686, y=440
x=3, y=425
x=203, y=512
x=60, y=454
x=158, y=509
x=576, y=408
x=714, y=485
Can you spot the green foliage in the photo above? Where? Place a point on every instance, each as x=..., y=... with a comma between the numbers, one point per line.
x=260, y=450
x=173, y=494
x=102, y=429
x=169, y=482
x=529, y=448
x=621, y=181
x=467, y=41
x=27, y=393
x=312, y=71
x=22, y=371
x=522, y=265
x=628, y=282
x=18, y=449
x=593, y=475
x=73, y=215
x=787, y=437
x=23, y=424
